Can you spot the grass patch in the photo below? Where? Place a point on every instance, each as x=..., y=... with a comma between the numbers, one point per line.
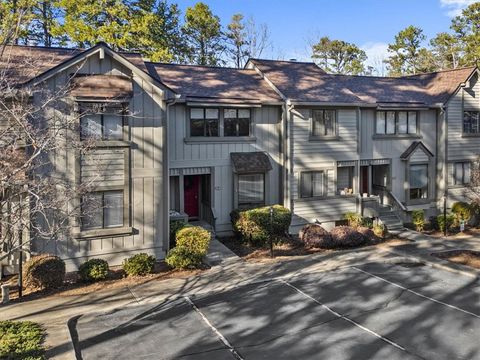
x=21, y=340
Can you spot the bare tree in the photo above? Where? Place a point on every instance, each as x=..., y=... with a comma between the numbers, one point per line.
x=257, y=38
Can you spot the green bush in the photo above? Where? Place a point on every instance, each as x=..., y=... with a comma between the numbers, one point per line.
x=449, y=220
x=315, y=236
x=44, y=272
x=21, y=340
x=139, y=265
x=418, y=219
x=379, y=230
x=255, y=226
x=192, y=246
x=367, y=222
x=346, y=236
x=93, y=270
x=462, y=211
x=175, y=227
x=354, y=219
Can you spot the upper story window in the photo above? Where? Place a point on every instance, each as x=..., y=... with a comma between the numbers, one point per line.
x=324, y=122
x=236, y=122
x=100, y=121
x=396, y=122
x=204, y=122
x=313, y=184
x=471, y=122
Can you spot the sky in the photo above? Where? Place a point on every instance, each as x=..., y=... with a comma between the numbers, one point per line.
x=370, y=24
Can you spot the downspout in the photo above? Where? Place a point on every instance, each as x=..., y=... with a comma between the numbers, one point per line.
x=289, y=154
x=170, y=102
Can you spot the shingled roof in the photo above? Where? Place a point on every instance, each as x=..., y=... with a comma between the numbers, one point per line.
x=301, y=82
x=206, y=83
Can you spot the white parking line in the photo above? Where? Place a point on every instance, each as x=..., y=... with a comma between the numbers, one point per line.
x=343, y=316
x=222, y=338
x=417, y=293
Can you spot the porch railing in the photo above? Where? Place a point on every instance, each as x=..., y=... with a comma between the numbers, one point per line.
x=209, y=214
x=386, y=197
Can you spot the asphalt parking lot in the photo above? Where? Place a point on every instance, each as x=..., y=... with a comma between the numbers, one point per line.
x=373, y=311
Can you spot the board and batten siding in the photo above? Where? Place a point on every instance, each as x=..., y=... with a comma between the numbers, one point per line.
x=143, y=178
x=184, y=155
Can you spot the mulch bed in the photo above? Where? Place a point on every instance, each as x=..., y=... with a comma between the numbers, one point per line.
x=464, y=257
x=116, y=279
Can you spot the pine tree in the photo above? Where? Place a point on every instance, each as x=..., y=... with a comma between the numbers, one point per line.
x=467, y=30
x=447, y=50
x=237, y=40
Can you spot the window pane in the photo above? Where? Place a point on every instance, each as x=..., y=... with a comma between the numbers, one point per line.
x=211, y=113
x=92, y=211
x=380, y=127
x=244, y=113
x=251, y=188
x=344, y=177
x=91, y=126
x=329, y=118
x=230, y=127
x=390, y=122
x=318, y=183
x=458, y=173
x=229, y=113
x=466, y=173
x=196, y=113
x=113, y=209
x=113, y=129
x=402, y=122
x=197, y=127
x=305, y=184
x=418, y=181
x=318, y=123
x=244, y=127
x=211, y=127
x=412, y=122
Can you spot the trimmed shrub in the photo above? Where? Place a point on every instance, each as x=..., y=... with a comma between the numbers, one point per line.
x=346, y=236
x=354, y=219
x=462, y=211
x=418, y=219
x=175, y=227
x=254, y=225
x=44, y=272
x=367, y=222
x=448, y=221
x=93, y=270
x=139, y=264
x=192, y=246
x=379, y=230
x=22, y=340
x=369, y=235
x=315, y=236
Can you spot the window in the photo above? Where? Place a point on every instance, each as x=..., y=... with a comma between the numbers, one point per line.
x=345, y=179
x=324, y=122
x=101, y=210
x=203, y=122
x=471, y=121
x=418, y=181
x=396, y=122
x=101, y=122
x=236, y=122
x=251, y=189
x=312, y=184
x=461, y=173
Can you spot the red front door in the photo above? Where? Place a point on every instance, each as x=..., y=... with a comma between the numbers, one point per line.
x=191, y=187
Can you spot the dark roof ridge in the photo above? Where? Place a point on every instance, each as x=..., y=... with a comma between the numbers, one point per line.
x=440, y=71
x=201, y=66
x=42, y=47
x=286, y=61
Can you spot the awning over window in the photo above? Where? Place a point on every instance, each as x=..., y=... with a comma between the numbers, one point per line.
x=102, y=86
x=250, y=162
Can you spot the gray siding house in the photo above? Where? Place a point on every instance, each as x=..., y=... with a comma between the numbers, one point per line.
x=194, y=143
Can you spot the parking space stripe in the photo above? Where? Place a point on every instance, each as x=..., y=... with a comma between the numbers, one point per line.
x=222, y=338
x=343, y=316
x=417, y=293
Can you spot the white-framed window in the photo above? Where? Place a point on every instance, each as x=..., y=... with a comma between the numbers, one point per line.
x=396, y=122
x=345, y=179
x=204, y=122
x=102, y=210
x=324, y=122
x=461, y=173
x=236, y=122
x=471, y=122
x=99, y=121
x=313, y=184
x=251, y=190
x=418, y=181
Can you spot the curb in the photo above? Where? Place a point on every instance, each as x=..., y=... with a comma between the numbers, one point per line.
x=72, y=329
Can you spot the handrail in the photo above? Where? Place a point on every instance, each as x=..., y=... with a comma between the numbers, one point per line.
x=396, y=201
